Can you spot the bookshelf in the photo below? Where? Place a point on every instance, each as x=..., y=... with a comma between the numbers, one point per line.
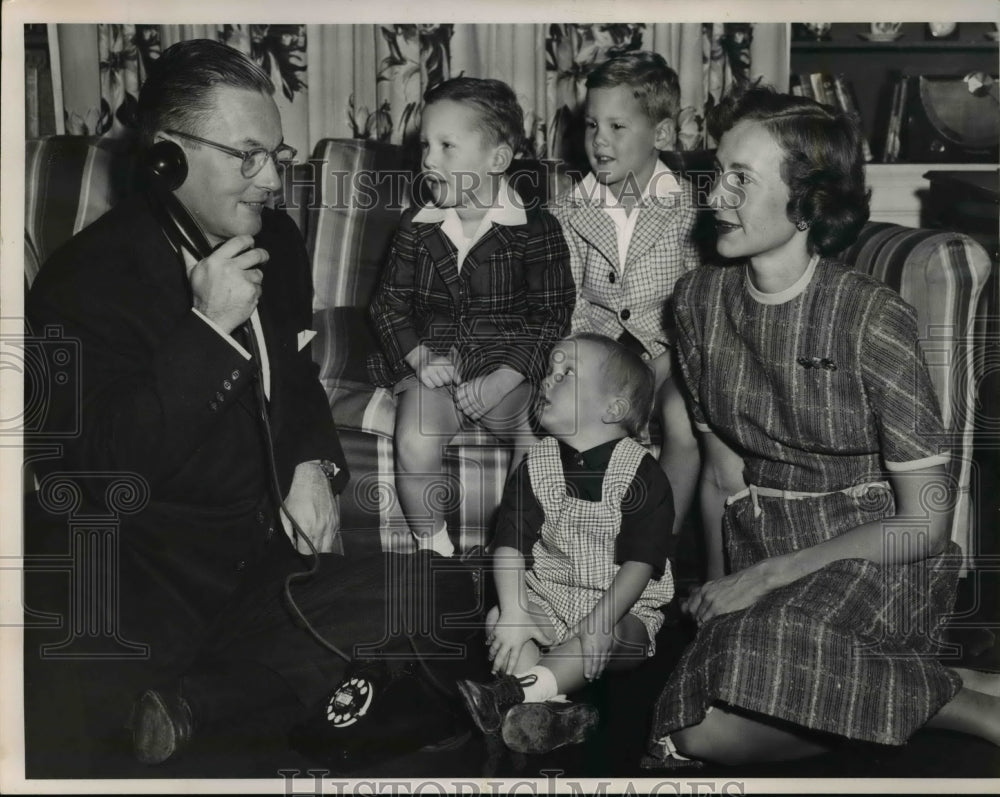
x=872, y=67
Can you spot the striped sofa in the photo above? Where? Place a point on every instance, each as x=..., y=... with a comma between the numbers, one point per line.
x=942, y=275
x=347, y=200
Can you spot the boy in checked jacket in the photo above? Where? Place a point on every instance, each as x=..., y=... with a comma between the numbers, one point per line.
x=629, y=226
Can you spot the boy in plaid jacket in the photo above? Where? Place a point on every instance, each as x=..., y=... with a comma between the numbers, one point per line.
x=629, y=227
x=580, y=560
x=476, y=291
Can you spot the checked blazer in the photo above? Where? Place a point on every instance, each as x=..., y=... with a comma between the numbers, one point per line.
x=614, y=297
x=511, y=302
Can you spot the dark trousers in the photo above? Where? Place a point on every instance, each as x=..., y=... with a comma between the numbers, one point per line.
x=254, y=653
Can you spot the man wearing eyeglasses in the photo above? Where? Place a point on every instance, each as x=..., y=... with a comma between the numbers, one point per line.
x=174, y=343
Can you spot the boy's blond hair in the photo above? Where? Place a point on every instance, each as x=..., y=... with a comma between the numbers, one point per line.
x=501, y=119
x=654, y=84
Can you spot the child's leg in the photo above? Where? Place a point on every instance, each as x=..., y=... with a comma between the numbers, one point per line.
x=426, y=419
x=510, y=420
x=565, y=662
x=679, y=456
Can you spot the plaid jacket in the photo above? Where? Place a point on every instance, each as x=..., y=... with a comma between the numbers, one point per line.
x=613, y=298
x=511, y=302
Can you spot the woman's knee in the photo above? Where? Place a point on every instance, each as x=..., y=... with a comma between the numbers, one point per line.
x=708, y=741
x=693, y=742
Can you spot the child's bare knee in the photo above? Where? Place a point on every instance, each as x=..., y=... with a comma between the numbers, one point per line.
x=417, y=450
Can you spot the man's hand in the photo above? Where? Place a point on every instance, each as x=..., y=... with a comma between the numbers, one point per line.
x=433, y=370
x=310, y=502
x=226, y=284
x=512, y=630
x=478, y=396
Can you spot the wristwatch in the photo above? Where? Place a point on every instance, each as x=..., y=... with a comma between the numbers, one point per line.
x=335, y=474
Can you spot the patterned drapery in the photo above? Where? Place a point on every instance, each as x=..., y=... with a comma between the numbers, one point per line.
x=367, y=81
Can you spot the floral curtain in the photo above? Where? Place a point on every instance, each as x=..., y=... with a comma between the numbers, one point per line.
x=367, y=81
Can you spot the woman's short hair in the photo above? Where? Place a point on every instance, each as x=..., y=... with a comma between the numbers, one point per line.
x=823, y=165
x=178, y=93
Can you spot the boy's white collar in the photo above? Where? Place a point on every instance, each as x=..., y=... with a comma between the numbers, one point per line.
x=508, y=211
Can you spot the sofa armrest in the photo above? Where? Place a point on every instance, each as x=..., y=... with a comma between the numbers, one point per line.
x=941, y=274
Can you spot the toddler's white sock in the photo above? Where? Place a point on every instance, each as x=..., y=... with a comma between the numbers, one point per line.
x=439, y=542
x=544, y=688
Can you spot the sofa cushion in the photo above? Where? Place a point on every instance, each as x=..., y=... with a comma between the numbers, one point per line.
x=362, y=187
x=344, y=341
x=71, y=181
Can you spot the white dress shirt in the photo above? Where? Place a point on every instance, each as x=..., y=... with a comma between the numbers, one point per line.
x=662, y=185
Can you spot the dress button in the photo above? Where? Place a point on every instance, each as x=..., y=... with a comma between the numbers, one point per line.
x=611, y=277
x=213, y=406
x=227, y=385
x=235, y=375
x=241, y=565
x=625, y=314
x=270, y=532
x=220, y=397
x=259, y=517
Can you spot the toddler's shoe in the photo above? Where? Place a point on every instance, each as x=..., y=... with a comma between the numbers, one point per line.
x=487, y=703
x=541, y=727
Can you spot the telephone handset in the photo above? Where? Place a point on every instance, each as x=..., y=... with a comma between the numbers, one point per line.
x=167, y=169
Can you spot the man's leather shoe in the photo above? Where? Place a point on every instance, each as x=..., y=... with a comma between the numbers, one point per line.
x=487, y=703
x=541, y=727
x=162, y=725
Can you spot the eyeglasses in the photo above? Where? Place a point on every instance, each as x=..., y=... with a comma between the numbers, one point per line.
x=253, y=160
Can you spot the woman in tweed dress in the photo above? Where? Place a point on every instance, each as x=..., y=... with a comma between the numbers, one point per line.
x=821, y=615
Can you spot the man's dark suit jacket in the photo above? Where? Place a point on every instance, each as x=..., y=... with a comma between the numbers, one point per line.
x=166, y=397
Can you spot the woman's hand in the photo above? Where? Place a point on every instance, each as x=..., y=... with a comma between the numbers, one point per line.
x=731, y=593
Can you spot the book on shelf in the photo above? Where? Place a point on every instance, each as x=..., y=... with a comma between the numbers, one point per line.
x=895, y=121
x=844, y=92
x=833, y=90
x=819, y=89
x=805, y=84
